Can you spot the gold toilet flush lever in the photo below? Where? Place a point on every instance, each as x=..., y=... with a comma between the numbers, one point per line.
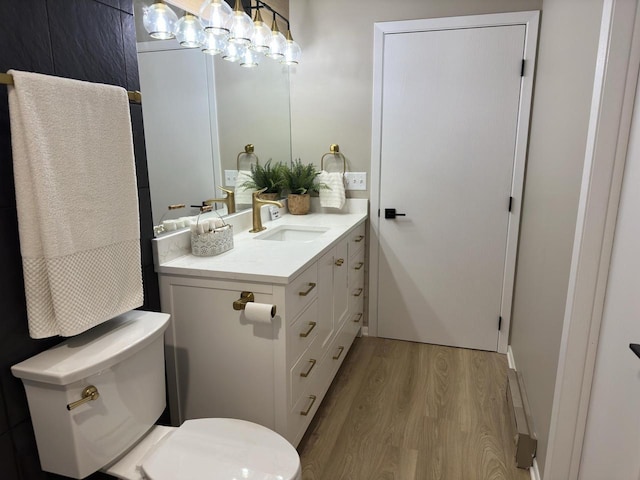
x=88, y=394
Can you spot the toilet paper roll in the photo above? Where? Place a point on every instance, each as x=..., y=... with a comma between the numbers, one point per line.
x=259, y=312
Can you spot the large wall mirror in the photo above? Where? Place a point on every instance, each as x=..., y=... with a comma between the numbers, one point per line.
x=199, y=113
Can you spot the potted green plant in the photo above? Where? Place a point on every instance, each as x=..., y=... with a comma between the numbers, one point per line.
x=269, y=176
x=300, y=179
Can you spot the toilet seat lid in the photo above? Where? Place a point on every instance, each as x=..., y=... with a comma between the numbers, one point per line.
x=224, y=449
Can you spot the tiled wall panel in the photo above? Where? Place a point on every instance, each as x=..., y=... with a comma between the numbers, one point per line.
x=91, y=40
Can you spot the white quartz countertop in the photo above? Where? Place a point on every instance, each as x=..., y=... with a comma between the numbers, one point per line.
x=267, y=260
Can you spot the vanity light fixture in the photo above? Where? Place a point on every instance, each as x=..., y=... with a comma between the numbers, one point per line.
x=292, y=51
x=213, y=44
x=249, y=59
x=221, y=30
x=261, y=34
x=240, y=26
x=214, y=15
x=277, y=42
x=159, y=21
x=189, y=31
x=233, y=52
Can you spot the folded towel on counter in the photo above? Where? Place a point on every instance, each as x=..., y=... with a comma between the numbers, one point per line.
x=334, y=198
x=243, y=194
x=77, y=202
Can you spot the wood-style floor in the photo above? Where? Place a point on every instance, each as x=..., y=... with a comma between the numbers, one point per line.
x=404, y=411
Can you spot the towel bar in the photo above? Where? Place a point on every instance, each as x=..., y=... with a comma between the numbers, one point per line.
x=134, y=97
x=334, y=149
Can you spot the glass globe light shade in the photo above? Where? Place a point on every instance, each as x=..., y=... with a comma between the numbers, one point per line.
x=240, y=26
x=261, y=35
x=214, y=15
x=249, y=59
x=159, y=21
x=213, y=44
x=277, y=43
x=233, y=52
x=189, y=31
x=292, y=51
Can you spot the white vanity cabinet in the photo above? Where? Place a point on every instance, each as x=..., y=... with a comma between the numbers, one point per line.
x=219, y=364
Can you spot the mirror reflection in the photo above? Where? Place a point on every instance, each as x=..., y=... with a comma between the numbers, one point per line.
x=200, y=114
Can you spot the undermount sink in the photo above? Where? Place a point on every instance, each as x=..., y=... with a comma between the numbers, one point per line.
x=292, y=233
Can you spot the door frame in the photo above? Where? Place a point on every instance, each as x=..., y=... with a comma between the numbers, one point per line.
x=614, y=90
x=530, y=19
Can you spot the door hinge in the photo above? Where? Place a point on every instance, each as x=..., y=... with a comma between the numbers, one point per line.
x=522, y=68
x=510, y=203
x=499, y=323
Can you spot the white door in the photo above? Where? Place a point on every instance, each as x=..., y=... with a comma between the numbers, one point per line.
x=611, y=447
x=451, y=103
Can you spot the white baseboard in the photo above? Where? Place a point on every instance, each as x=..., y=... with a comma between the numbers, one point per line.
x=365, y=331
x=512, y=362
x=533, y=471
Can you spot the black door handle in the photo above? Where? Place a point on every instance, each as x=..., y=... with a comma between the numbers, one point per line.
x=635, y=348
x=391, y=213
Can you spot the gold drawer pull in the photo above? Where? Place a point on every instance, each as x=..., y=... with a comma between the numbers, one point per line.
x=306, y=412
x=311, y=287
x=306, y=374
x=340, y=350
x=359, y=293
x=339, y=262
x=359, y=238
x=312, y=325
x=358, y=318
x=358, y=266
x=88, y=394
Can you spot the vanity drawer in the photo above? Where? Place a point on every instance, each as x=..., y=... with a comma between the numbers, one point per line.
x=304, y=409
x=301, y=292
x=302, y=333
x=302, y=375
x=339, y=349
x=357, y=239
x=356, y=269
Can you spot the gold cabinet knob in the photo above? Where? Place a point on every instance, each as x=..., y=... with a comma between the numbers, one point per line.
x=340, y=262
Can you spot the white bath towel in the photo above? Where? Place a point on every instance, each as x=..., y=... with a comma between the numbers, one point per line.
x=335, y=197
x=77, y=202
x=243, y=194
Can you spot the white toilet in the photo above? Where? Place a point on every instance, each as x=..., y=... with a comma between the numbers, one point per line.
x=115, y=432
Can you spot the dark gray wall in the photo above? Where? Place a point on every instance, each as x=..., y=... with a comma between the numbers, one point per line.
x=88, y=40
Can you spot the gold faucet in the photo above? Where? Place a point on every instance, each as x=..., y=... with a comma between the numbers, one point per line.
x=256, y=205
x=229, y=200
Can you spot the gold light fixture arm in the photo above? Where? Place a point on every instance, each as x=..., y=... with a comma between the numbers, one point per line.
x=88, y=394
x=334, y=149
x=134, y=97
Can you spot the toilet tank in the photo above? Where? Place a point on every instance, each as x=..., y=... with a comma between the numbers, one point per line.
x=124, y=359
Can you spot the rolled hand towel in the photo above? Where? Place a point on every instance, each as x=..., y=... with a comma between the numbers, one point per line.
x=243, y=194
x=334, y=197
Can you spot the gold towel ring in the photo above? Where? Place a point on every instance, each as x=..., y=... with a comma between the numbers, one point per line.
x=334, y=149
x=248, y=151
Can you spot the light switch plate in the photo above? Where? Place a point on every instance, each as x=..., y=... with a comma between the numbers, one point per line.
x=275, y=213
x=230, y=177
x=356, y=180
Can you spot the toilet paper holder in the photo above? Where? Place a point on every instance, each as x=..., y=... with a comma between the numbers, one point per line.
x=241, y=303
x=246, y=297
